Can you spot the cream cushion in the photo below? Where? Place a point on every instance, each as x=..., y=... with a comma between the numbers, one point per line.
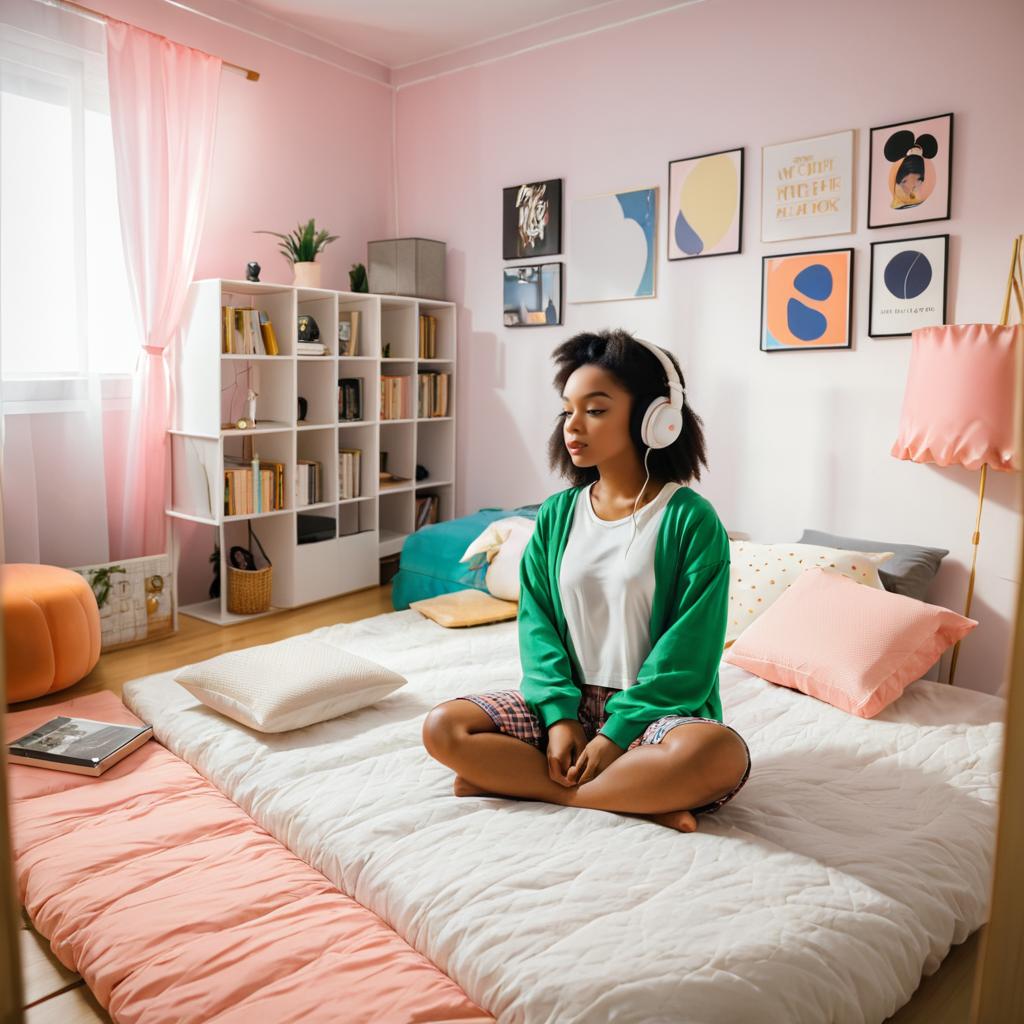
x=857, y=648
x=759, y=573
x=288, y=684
x=503, y=542
x=466, y=608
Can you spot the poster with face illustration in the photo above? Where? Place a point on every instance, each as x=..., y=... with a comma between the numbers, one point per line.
x=910, y=169
x=532, y=218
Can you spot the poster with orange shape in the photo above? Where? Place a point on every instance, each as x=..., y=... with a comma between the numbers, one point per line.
x=806, y=300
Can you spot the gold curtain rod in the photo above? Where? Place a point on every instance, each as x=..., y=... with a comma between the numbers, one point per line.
x=252, y=76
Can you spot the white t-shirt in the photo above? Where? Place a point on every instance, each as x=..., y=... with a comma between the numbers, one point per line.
x=607, y=598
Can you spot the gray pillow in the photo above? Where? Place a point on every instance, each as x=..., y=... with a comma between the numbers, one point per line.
x=909, y=572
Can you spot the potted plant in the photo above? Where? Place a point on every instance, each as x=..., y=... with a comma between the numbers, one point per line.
x=300, y=247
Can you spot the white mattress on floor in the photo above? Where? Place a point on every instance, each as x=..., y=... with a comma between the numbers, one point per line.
x=855, y=855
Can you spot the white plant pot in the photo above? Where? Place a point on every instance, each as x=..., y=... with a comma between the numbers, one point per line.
x=307, y=274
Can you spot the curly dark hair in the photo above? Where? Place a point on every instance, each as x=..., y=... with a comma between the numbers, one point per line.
x=638, y=371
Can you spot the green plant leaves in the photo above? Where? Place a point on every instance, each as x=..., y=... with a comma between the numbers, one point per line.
x=302, y=244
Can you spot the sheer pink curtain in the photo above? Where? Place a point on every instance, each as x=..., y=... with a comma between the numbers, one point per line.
x=163, y=110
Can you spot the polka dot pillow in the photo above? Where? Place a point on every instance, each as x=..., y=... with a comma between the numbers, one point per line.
x=759, y=573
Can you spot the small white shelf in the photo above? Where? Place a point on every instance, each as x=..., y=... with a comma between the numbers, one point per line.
x=211, y=611
x=211, y=390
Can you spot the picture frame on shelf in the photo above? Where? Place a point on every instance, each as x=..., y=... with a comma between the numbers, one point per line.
x=532, y=220
x=807, y=187
x=532, y=295
x=705, y=205
x=910, y=171
x=807, y=300
x=908, y=285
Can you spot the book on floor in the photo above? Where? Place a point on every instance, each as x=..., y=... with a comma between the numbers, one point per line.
x=79, y=745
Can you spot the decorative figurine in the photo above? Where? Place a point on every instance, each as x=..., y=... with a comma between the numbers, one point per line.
x=309, y=329
x=252, y=271
x=251, y=399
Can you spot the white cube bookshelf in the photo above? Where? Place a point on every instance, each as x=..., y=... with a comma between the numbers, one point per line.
x=210, y=392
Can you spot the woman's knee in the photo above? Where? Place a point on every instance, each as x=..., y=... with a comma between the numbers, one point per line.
x=447, y=725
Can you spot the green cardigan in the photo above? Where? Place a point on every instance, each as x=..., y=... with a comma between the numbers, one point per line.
x=689, y=615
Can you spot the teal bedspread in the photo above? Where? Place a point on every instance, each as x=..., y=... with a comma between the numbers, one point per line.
x=429, y=564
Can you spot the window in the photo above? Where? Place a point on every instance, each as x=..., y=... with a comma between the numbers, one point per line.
x=65, y=305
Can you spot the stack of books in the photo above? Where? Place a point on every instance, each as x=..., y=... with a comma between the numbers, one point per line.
x=308, y=486
x=395, y=397
x=433, y=394
x=349, y=462
x=247, y=332
x=310, y=348
x=426, y=509
x=350, y=398
x=246, y=495
x=428, y=336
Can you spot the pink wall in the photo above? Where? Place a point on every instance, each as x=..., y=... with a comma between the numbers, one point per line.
x=309, y=139
x=795, y=441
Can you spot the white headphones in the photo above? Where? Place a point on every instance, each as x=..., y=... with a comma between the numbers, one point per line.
x=663, y=420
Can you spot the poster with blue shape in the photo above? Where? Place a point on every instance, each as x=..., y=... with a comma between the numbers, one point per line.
x=908, y=285
x=613, y=241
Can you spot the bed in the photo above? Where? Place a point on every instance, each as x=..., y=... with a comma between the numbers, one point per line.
x=857, y=853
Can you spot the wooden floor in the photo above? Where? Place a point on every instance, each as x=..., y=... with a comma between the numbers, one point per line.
x=54, y=995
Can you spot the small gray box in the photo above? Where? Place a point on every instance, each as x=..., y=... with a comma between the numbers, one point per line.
x=406, y=266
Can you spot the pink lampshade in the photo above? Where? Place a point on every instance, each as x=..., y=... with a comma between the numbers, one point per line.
x=961, y=399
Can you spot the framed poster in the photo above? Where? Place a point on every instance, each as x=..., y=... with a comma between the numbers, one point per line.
x=705, y=205
x=908, y=285
x=532, y=295
x=910, y=169
x=807, y=187
x=532, y=219
x=613, y=245
x=807, y=300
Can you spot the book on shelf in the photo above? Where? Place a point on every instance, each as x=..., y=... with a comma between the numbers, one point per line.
x=311, y=348
x=349, y=473
x=350, y=398
x=246, y=494
x=428, y=336
x=426, y=509
x=432, y=394
x=247, y=332
x=79, y=745
x=308, y=484
x=395, y=397
x=348, y=333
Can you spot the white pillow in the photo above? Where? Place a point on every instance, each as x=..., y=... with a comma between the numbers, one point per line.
x=759, y=573
x=288, y=684
x=503, y=542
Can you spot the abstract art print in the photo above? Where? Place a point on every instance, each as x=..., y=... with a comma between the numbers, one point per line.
x=532, y=217
x=533, y=295
x=910, y=166
x=613, y=245
x=807, y=187
x=908, y=285
x=807, y=300
x=705, y=205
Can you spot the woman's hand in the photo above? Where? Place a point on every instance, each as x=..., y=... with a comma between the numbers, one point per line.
x=596, y=756
x=566, y=741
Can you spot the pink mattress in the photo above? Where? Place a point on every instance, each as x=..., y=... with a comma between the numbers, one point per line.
x=174, y=905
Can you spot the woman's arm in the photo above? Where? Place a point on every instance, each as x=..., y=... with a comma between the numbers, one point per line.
x=681, y=670
x=547, y=684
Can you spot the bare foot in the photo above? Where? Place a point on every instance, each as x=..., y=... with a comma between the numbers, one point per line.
x=462, y=787
x=681, y=821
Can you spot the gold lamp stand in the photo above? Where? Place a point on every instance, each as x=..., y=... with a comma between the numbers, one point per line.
x=1015, y=288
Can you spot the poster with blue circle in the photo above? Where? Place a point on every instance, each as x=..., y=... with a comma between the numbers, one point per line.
x=908, y=285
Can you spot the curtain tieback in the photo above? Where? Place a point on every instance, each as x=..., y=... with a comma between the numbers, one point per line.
x=153, y=350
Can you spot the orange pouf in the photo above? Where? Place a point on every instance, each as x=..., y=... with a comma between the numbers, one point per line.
x=51, y=629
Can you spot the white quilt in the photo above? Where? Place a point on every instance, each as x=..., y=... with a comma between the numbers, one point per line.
x=855, y=855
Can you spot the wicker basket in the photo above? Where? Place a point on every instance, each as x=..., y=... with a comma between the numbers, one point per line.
x=249, y=589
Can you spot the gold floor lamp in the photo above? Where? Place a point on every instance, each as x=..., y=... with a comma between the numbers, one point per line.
x=961, y=401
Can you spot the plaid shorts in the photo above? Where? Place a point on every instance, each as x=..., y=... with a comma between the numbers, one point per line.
x=509, y=712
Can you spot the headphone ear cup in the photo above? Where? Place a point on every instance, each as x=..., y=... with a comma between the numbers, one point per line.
x=662, y=424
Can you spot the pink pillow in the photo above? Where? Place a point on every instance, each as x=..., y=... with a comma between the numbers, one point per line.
x=853, y=646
